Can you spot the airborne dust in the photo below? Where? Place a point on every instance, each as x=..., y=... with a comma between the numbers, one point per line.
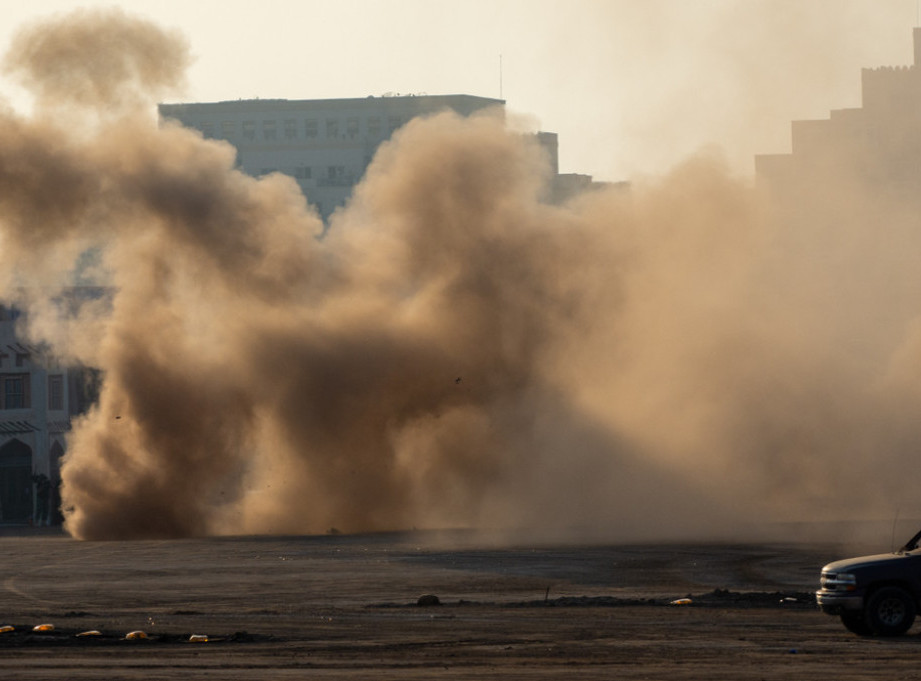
x=673, y=360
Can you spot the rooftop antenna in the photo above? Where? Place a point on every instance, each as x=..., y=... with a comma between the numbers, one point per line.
x=500, y=71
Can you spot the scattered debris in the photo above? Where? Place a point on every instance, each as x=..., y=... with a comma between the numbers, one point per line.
x=22, y=636
x=428, y=600
x=718, y=598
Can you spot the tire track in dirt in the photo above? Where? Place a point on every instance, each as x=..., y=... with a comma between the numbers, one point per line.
x=11, y=583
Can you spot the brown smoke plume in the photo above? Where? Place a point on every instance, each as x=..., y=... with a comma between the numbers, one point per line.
x=454, y=351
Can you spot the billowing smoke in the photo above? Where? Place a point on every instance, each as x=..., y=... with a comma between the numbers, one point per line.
x=453, y=351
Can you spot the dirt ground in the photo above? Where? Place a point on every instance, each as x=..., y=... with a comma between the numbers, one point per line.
x=347, y=607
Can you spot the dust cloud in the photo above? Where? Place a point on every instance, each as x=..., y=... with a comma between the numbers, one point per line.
x=675, y=360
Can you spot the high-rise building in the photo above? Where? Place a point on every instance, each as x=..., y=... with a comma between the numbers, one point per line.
x=324, y=144
x=327, y=144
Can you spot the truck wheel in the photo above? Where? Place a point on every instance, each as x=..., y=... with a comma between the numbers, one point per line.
x=855, y=623
x=890, y=611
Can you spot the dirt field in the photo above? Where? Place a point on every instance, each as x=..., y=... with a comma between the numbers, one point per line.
x=346, y=607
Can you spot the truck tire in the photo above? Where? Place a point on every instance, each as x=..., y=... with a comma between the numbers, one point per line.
x=856, y=623
x=890, y=611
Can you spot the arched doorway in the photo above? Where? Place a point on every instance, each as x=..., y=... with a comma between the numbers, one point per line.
x=15, y=482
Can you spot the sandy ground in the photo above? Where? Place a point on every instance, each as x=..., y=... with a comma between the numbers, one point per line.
x=346, y=607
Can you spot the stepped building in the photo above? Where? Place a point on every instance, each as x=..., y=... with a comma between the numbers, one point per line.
x=877, y=145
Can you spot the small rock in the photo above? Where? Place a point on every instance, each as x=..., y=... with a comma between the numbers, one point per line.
x=428, y=600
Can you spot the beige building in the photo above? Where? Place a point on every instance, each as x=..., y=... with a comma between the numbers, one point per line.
x=877, y=145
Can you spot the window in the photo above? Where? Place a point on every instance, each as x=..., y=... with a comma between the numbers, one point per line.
x=55, y=392
x=310, y=128
x=268, y=130
x=8, y=314
x=351, y=128
x=207, y=129
x=15, y=391
x=290, y=129
x=228, y=129
x=336, y=176
x=303, y=172
x=374, y=126
x=249, y=129
x=395, y=122
x=332, y=127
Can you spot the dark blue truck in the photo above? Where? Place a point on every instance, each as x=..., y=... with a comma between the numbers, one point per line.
x=874, y=595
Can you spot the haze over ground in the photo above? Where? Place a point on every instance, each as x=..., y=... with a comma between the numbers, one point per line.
x=663, y=362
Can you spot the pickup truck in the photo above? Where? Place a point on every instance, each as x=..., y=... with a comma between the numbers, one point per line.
x=874, y=595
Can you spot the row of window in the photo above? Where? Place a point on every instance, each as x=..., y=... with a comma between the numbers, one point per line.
x=334, y=176
x=309, y=128
x=15, y=392
x=19, y=359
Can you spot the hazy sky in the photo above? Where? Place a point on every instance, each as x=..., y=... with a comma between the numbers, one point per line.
x=630, y=86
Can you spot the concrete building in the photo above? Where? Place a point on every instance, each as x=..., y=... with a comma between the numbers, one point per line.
x=38, y=398
x=565, y=186
x=877, y=145
x=325, y=144
x=846, y=203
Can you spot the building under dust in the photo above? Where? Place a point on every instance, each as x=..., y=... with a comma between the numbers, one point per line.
x=327, y=144
x=39, y=395
x=878, y=143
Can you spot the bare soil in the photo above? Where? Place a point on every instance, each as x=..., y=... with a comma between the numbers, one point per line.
x=349, y=607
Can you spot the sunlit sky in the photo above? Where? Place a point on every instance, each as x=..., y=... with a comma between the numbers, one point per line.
x=630, y=86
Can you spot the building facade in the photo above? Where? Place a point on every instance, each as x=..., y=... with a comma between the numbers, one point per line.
x=324, y=144
x=38, y=398
x=34, y=418
x=877, y=145
x=327, y=144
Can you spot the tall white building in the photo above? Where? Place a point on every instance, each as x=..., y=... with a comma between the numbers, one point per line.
x=325, y=144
